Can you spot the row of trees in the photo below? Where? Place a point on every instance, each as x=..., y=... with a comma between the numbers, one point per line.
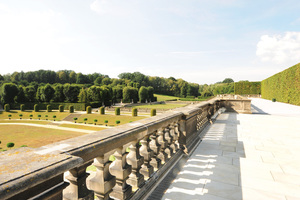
x=10, y=93
x=68, y=86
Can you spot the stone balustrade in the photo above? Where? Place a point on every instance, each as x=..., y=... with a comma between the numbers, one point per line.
x=129, y=159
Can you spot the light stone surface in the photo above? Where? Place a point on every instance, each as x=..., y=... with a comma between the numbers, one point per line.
x=245, y=156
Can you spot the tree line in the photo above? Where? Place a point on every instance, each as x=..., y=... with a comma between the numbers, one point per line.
x=68, y=86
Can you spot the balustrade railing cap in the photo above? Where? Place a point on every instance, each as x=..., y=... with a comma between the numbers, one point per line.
x=25, y=167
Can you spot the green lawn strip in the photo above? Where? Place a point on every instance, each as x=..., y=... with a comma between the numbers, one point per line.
x=26, y=115
x=32, y=136
x=161, y=97
x=161, y=106
x=195, y=99
x=124, y=119
x=80, y=126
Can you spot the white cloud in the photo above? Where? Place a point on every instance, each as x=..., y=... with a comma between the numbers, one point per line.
x=279, y=49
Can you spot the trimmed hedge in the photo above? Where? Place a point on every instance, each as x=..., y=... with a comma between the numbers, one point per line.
x=102, y=110
x=117, y=111
x=71, y=109
x=7, y=107
x=88, y=110
x=283, y=86
x=22, y=107
x=49, y=109
x=153, y=112
x=134, y=112
x=36, y=108
x=61, y=108
x=246, y=87
x=54, y=105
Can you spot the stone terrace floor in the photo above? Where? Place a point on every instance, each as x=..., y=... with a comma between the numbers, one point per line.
x=245, y=156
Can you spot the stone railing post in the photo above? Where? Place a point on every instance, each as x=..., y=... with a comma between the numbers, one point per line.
x=173, y=146
x=121, y=170
x=177, y=134
x=102, y=181
x=77, y=188
x=163, y=144
x=147, y=153
x=155, y=147
x=169, y=139
x=135, y=160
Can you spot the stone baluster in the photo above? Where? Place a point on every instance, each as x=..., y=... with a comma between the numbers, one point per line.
x=77, y=188
x=135, y=160
x=163, y=144
x=155, y=147
x=121, y=170
x=102, y=181
x=173, y=146
x=177, y=134
x=169, y=139
x=147, y=153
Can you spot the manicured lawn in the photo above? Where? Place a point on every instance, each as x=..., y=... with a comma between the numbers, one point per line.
x=26, y=121
x=161, y=106
x=32, y=136
x=161, y=97
x=124, y=119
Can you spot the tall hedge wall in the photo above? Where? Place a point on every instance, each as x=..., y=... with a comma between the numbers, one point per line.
x=246, y=87
x=43, y=106
x=283, y=86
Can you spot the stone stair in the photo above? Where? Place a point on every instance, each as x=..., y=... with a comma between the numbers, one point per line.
x=71, y=116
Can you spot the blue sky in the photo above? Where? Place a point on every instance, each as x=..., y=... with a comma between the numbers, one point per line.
x=201, y=41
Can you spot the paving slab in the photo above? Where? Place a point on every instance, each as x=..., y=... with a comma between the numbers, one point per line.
x=245, y=156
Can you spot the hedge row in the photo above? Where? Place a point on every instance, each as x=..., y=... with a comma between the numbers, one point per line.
x=246, y=87
x=283, y=86
x=54, y=106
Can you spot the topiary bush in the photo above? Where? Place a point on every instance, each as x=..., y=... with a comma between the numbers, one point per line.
x=71, y=109
x=7, y=107
x=88, y=110
x=9, y=117
x=105, y=121
x=22, y=107
x=10, y=145
x=85, y=120
x=75, y=118
x=153, y=112
x=118, y=121
x=102, y=110
x=30, y=116
x=61, y=108
x=54, y=116
x=95, y=120
x=117, y=111
x=273, y=100
x=20, y=115
x=49, y=108
x=36, y=108
x=39, y=116
x=134, y=112
x=46, y=116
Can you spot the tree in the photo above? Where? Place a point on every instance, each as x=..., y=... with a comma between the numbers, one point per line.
x=72, y=77
x=143, y=94
x=150, y=93
x=47, y=93
x=20, y=98
x=58, y=95
x=8, y=92
x=82, y=97
x=30, y=93
x=98, y=81
x=71, y=92
x=130, y=93
x=63, y=77
x=228, y=80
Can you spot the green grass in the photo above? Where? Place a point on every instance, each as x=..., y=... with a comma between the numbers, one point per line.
x=161, y=106
x=32, y=136
x=195, y=99
x=26, y=121
x=124, y=119
x=161, y=97
x=79, y=126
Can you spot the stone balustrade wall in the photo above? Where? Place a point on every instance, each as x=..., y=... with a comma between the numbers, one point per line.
x=129, y=159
